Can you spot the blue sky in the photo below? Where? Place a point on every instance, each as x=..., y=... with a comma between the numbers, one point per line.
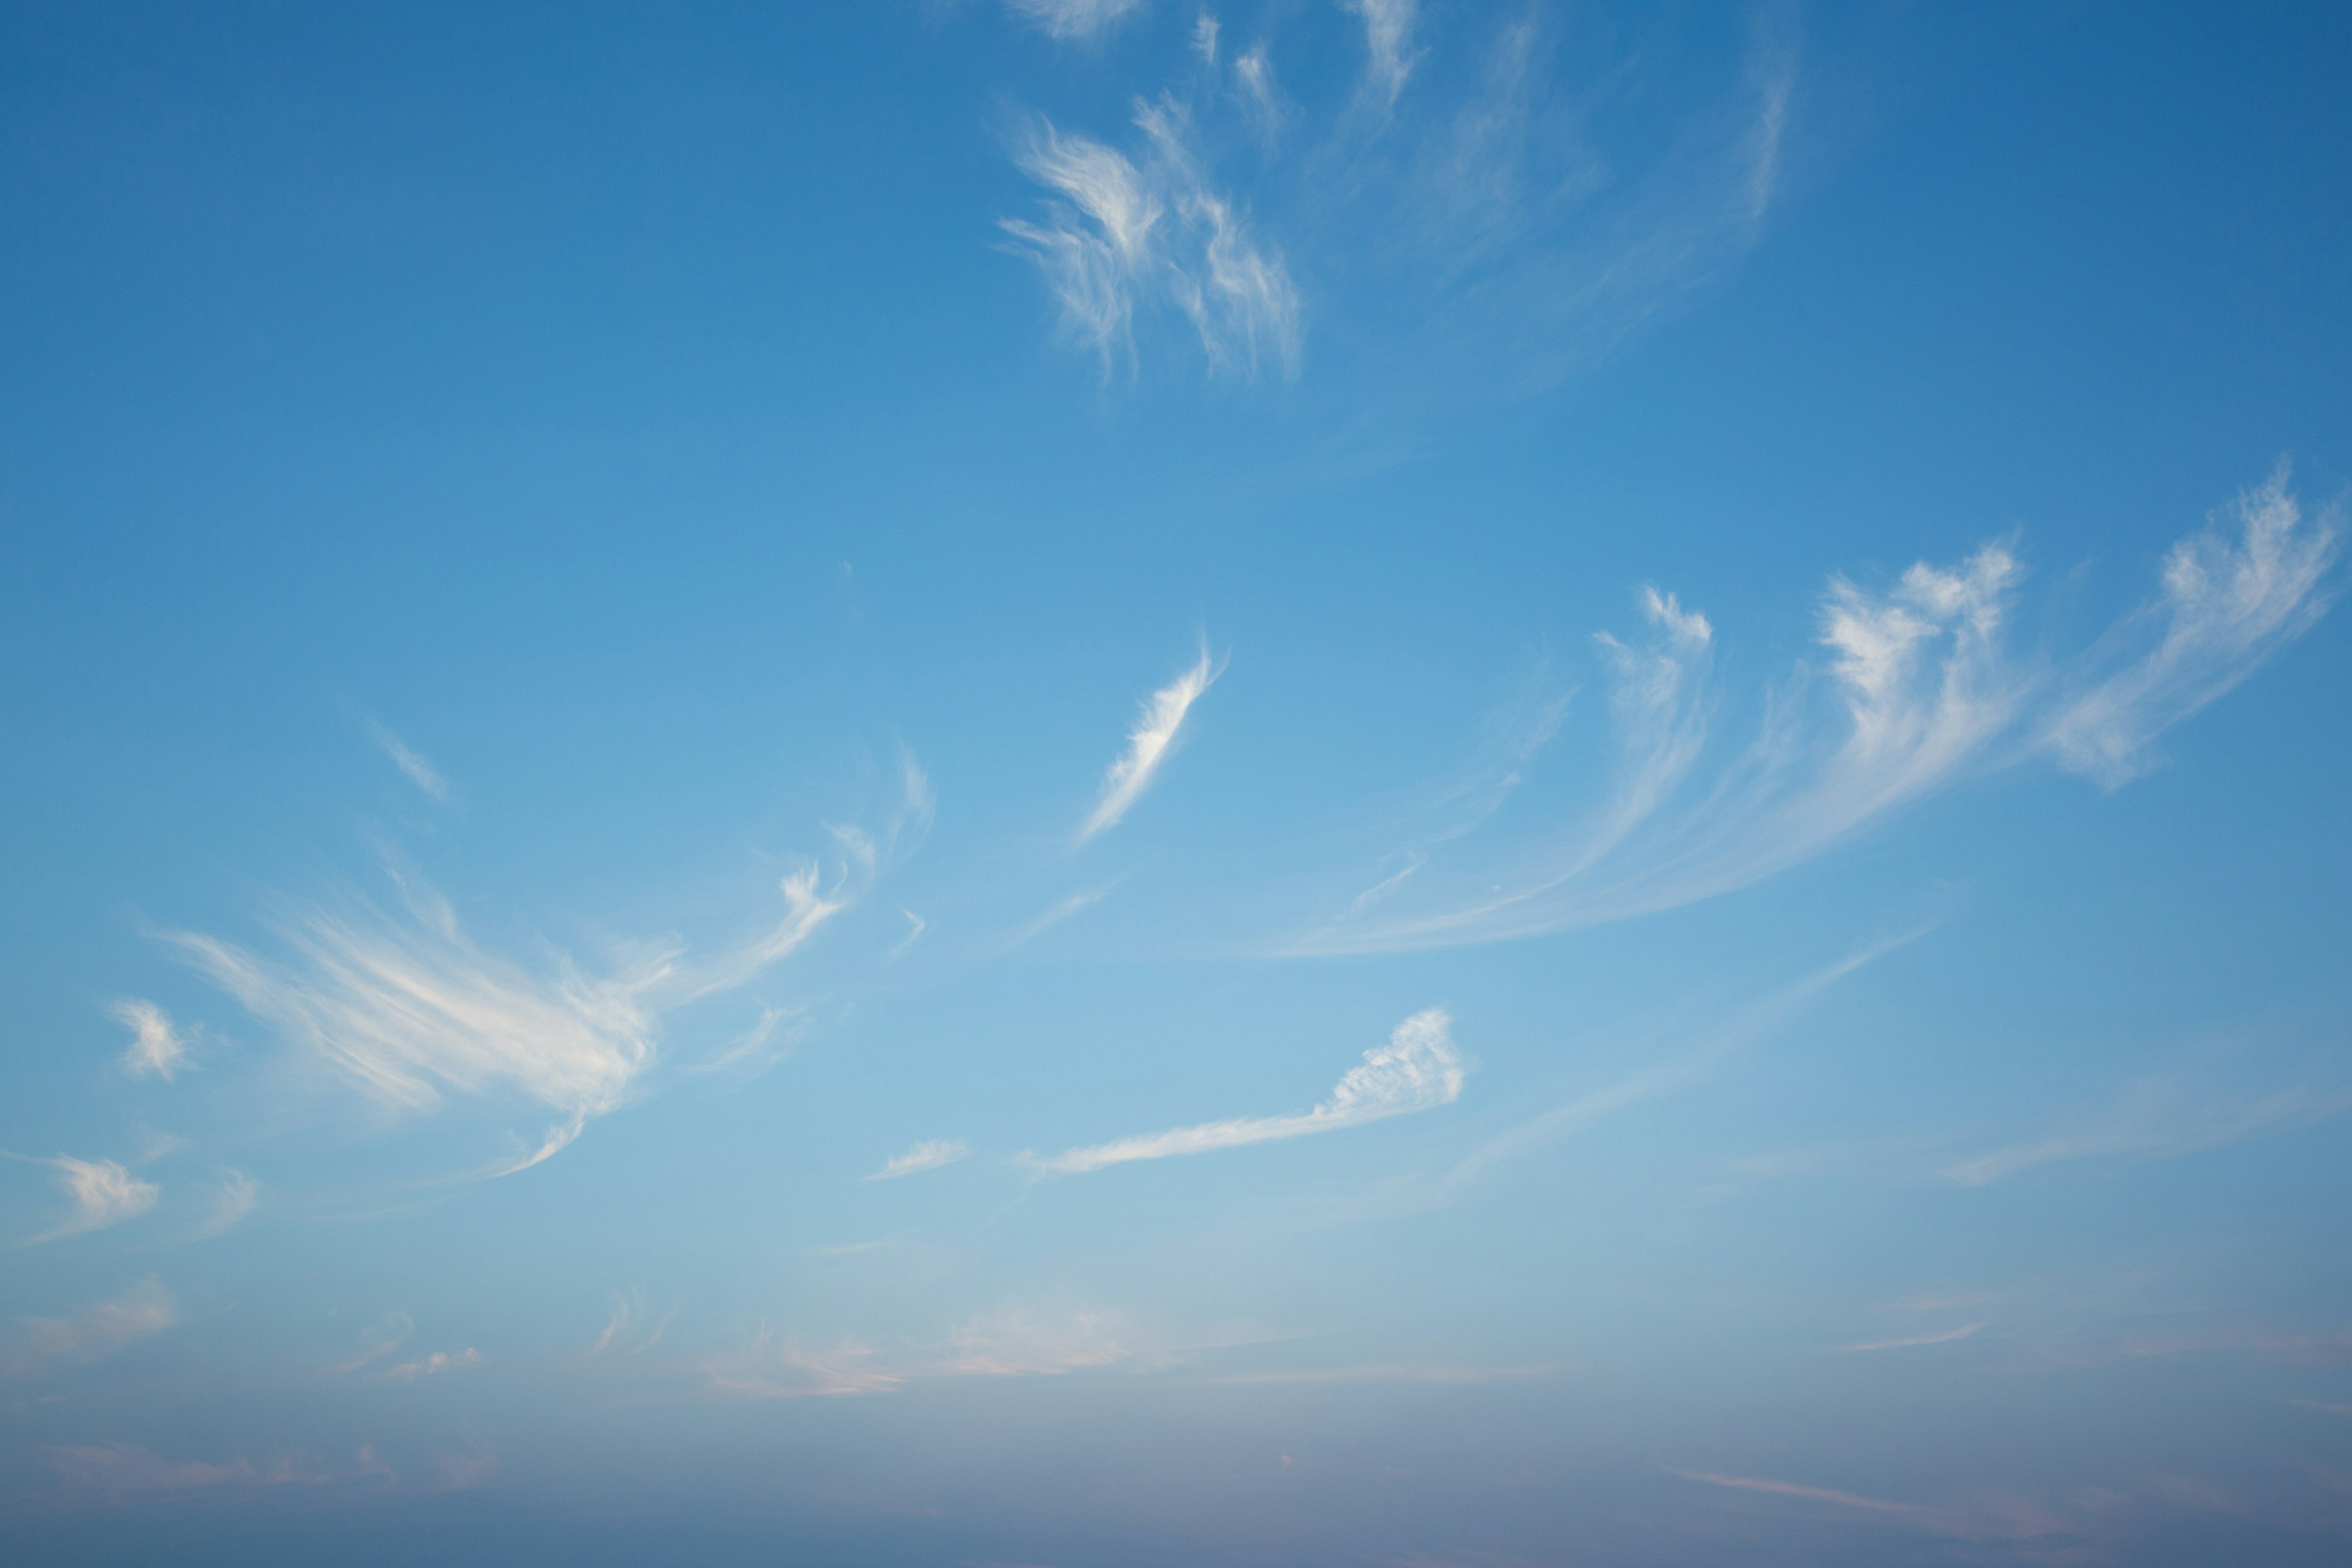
x=1072, y=783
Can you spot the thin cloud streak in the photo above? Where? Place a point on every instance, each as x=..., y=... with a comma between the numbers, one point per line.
x=1387, y=45
x=1063, y=19
x=157, y=1048
x=1943, y=1339
x=2157, y=1120
x=96, y=1331
x=104, y=1193
x=1418, y=1069
x=238, y=1193
x=929, y=1155
x=1148, y=746
x=1919, y=686
x=416, y=764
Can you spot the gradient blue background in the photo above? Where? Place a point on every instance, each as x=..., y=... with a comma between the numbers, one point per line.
x=641, y=411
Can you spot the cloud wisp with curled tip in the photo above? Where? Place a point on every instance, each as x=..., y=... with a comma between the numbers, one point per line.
x=157, y=1048
x=928, y=1155
x=1120, y=236
x=103, y=1193
x=1918, y=685
x=2157, y=1120
x=1148, y=746
x=238, y=1193
x=1390, y=55
x=2253, y=580
x=414, y=763
x=636, y=1326
x=1418, y=1069
x=97, y=1331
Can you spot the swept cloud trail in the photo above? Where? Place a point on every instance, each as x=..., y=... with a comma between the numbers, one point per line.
x=929, y=1155
x=634, y=1328
x=1418, y=1069
x=96, y=1331
x=1012, y=1342
x=1915, y=1340
x=2155, y=1120
x=1071, y=18
x=411, y=1010
x=1121, y=234
x=2233, y=597
x=416, y=764
x=1919, y=687
x=1148, y=746
x=238, y=1193
x=157, y=1048
x=1388, y=43
x=104, y=1193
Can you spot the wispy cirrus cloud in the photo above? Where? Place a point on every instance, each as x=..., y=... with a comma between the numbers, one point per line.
x=1121, y=235
x=2155, y=1119
x=411, y=761
x=636, y=1327
x=2255, y=579
x=1071, y=18
x=412, y=1010
x=97, y=1331
x=928, y=1155
x=1910, y=1342
x=1919, y=684
x=103, y=1192
x=1418, y=1069
x=1390, y=55
x=1013, y=1340
x=238, y=1193
x=431, y=1365
x=1148, y=745
x=157, y=1048
x=379, y=1340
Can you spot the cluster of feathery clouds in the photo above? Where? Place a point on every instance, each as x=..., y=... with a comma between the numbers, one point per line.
x=411, y=1009
x=1920, y=684
x=1518, y=239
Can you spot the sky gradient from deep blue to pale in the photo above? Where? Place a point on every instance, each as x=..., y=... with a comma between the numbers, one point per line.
x=1079, y=784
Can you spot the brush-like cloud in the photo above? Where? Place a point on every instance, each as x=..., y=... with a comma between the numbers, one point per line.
x=438, y=1361
x=1148, y=746
x=1418, y=1069
x=636, y=1326
x=2155, y=1120
x=1012, y=1342
x=125, y=1469
x=928, y=1155
x=1919, y=686
x=379, y=1340
x=760, y=1047
x=416, y=764
x=2234, y=595
x=1913, y=1341
x=1071, y=18
x=238, y=1193
x=1118, y=235
x=104, y=1193
x=1387, y=44
x=157, y=1049
x=97, y=1331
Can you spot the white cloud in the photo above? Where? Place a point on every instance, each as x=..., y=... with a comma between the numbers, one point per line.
x=634, y=1328
x=157, y=1049
x=759, y=1047
x=419, y=769
x=2154, y=1120
x=438, y=1361
x=379, y=1340
x=1910, y=1342
x=1014, y=1340
x=104, y=1193
x=98, y=1330
x=238, y=1193
x=929, y=1155
x=1119, y=235
x=1148, y=746
x=1070, y=18
x=1056, y=915
x=1388, y=43
x=2253, y=580
x=1418, y=1069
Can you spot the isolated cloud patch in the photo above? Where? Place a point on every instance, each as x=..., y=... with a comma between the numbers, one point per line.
x=1148, y=746
x=1418, y=1069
